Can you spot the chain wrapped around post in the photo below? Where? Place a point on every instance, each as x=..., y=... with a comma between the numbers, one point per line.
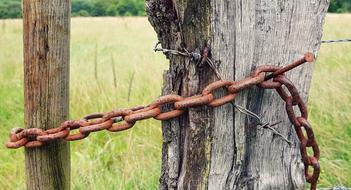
x=266, y=77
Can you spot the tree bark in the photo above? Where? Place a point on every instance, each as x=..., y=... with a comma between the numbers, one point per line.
x=46, y=25
x=220, y=148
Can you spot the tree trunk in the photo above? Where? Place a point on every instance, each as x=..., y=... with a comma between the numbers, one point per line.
x=220, y=148
x=46, y=25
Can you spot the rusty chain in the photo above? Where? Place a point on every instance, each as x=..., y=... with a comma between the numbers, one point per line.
x=266, y=77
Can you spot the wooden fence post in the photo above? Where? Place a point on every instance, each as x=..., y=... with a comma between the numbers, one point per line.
x=46, y=36
x=221, y=148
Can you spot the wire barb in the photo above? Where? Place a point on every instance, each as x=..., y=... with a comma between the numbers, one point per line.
x=193, y=55
x=336, y=41
x=274, y=131
x=214, y=68
x=123, y=119
x=260, y=124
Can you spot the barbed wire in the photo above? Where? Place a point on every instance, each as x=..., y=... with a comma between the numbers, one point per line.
x=123, y=119
x=214, y=68
x=308, y=160
x=261, y=124
x=241, y=109
x=336, y=41
x=193, y=55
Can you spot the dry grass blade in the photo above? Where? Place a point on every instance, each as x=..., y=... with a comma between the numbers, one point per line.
x=130, y=84
x=113, y=71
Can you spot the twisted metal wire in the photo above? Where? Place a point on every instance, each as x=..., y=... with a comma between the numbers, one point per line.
x=336, y=41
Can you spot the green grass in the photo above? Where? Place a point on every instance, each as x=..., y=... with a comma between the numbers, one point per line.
x=127, y=160
x=330, y=103
x=131, y=159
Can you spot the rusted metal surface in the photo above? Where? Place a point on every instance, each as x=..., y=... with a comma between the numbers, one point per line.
x=308, y=57
x=267, y=77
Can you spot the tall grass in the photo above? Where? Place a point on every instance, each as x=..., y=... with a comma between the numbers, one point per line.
x=113, y=71
x=330, y=103
x=127, y=160
x=131, y=159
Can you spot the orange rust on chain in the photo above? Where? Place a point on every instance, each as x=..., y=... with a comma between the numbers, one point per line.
x=291, y=88
x=14, y=132
x=171, y=98
x=122, y=119
x=245, y=83
x=222, y=101
x=168, y=99
x=116, y=113
x=300, y=122
x=50, y=137
x=96, y=127
x=34, y=144
x=93, y=119
x=295, y=97
x=216, y=85
x=316, y=167
x=93, y=116
x=77, y=136
x=169, y=115
x=194, y=101
x=264, y=69
x=308, y=57
x=115, y=127
x=307, y=127
x=17, y=144
x=72, y=125
x=30, y=132
x=142, y=114
x=120, y=127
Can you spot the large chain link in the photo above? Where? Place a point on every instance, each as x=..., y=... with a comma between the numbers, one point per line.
x=266, y=76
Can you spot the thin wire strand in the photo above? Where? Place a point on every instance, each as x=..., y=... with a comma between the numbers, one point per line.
x=336, y=41
x=261, y=124
x=247, y=112
x=212, y=65
x=185, y=52
x=276, y=132
x=197, y=56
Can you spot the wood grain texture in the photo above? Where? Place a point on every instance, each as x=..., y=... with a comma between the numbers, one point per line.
x=221, y=148
x=46, y=25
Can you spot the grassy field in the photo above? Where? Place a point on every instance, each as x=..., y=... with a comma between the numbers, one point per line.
x=131, y=160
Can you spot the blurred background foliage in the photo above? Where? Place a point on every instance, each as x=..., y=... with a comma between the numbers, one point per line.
x=340, y=6
x=13, y=9
x=87, y=8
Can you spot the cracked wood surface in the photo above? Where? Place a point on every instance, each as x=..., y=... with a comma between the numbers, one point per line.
x=220, y=148
x=46, y=29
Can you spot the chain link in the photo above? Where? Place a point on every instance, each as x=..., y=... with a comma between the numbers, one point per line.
x=266, y=77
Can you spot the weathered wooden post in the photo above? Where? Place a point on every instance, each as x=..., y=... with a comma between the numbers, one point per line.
x=219, y=148
x=46, y=29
